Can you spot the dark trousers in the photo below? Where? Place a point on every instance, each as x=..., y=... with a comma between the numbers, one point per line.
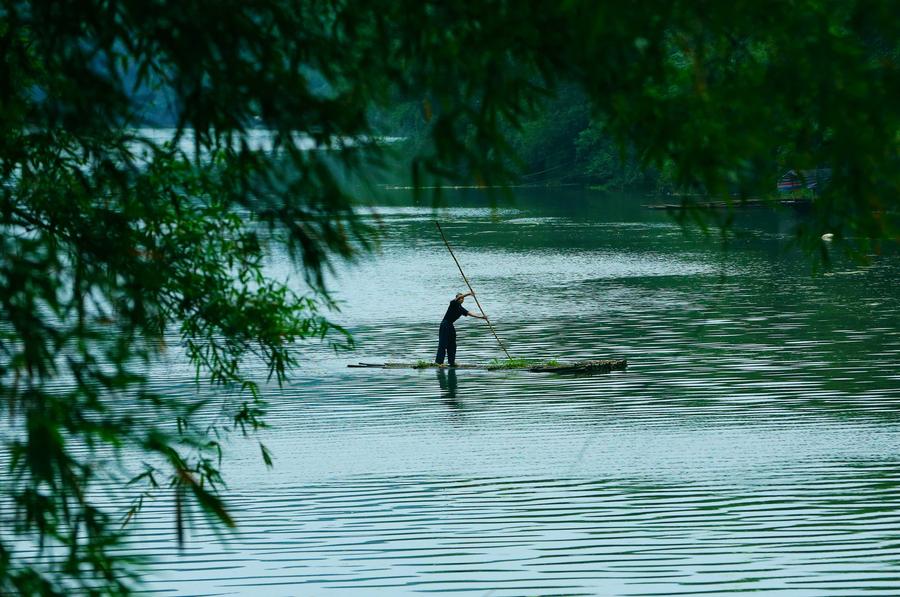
x=446, y=343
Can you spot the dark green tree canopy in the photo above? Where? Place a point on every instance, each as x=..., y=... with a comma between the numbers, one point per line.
x=113, y=239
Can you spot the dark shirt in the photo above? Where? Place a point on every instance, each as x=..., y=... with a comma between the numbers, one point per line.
x=454, y=312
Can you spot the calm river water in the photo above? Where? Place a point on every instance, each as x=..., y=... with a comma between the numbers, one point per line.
x=753, y=444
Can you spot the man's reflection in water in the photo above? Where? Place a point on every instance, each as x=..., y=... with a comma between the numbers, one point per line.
x=447, y=381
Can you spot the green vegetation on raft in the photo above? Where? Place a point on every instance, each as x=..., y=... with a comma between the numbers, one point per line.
x=520, y=363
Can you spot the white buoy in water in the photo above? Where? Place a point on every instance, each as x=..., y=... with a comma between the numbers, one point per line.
x=827, y=237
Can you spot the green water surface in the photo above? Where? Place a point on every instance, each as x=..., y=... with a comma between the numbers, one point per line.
x=752, y=445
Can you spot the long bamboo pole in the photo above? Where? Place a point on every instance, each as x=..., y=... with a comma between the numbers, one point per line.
x=480, y=308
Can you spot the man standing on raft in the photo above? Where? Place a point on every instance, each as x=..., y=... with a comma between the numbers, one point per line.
x=447, y=334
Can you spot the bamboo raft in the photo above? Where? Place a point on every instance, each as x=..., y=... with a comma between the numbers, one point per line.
x=595, y=366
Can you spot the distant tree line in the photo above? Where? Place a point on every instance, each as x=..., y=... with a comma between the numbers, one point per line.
x=559, y=143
